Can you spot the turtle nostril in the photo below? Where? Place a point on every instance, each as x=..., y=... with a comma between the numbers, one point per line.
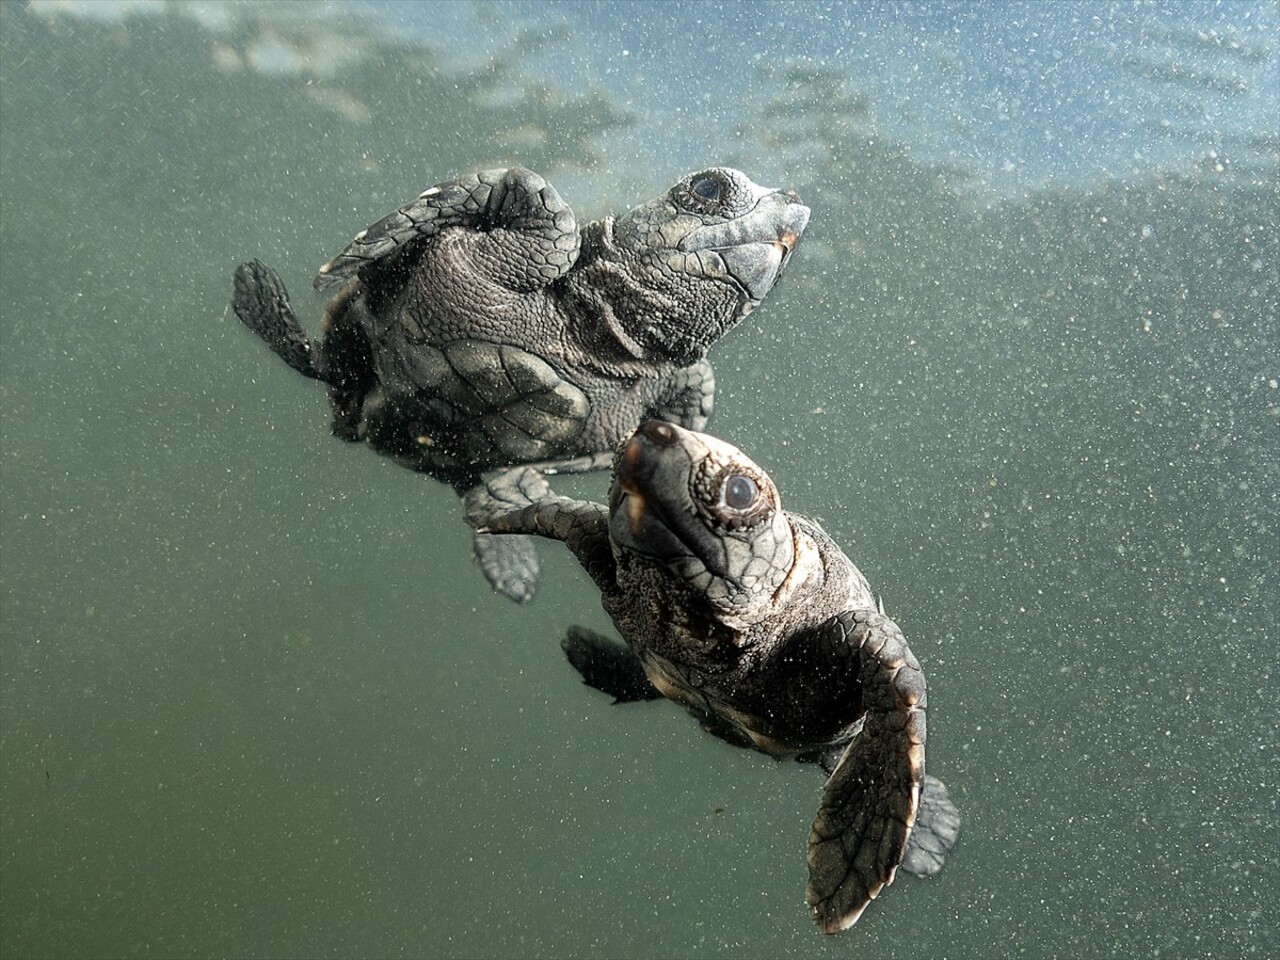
x=659, y=431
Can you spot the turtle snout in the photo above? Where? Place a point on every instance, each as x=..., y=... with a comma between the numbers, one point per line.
x=792, y=218
x=658, y=431
x=634, y=472
x=795, y=216
x=644, y=463
x=636, y=463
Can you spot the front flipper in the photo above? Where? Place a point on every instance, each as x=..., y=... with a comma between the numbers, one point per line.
x=935, y=833
x=937, y=824
x=690, y=397
x=522, y=233
x=607, y=666
x=520, y=501
x=260, y=301
x=581, y=525
x=871, y=802
x=510, y=563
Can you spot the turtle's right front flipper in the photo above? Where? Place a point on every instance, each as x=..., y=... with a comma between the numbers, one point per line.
x=872, y=799
x=509, y=563
x=261, y=303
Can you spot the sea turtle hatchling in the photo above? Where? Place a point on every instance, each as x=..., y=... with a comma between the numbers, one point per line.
x=758, y=623
x=480, y=326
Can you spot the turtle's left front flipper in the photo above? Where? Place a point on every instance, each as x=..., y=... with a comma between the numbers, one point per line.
x=520, y=501
x=515, y=228
x=261, y=303
x=872, y=799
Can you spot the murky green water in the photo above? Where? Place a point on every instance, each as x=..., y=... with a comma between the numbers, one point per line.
x=256, y=700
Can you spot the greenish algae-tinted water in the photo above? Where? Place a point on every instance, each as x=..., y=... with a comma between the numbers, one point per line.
x=256, y=700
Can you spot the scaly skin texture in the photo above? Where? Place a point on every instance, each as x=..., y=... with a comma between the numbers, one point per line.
x=478, y=327
x=753, y=619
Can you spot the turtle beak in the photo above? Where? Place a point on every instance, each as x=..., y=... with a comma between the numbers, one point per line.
x=785, y=243
x=632, y=500
x=627, y=493
x=795, y=219
x=634, y=469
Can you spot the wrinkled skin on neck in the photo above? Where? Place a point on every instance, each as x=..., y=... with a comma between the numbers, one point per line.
x=673, y=275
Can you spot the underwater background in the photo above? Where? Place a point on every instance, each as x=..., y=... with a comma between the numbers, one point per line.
x=255, y=698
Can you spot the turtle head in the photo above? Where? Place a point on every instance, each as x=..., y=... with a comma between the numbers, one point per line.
x=713, y=245
x=700, y=508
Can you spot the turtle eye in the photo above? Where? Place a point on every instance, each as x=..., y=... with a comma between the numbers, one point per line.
x=707, y=188
x=740, y=492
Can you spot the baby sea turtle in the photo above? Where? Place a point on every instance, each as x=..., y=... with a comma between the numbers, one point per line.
x=480, y=326
x=755, y=620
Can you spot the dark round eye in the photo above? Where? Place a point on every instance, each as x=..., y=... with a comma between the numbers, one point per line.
x=740, y=492
x=707, y=188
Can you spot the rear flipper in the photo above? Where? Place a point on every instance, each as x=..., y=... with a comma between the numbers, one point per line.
x=607, y=666
x=261, y=303
x=519, y=501
x=933, y=836
x=510, y=564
